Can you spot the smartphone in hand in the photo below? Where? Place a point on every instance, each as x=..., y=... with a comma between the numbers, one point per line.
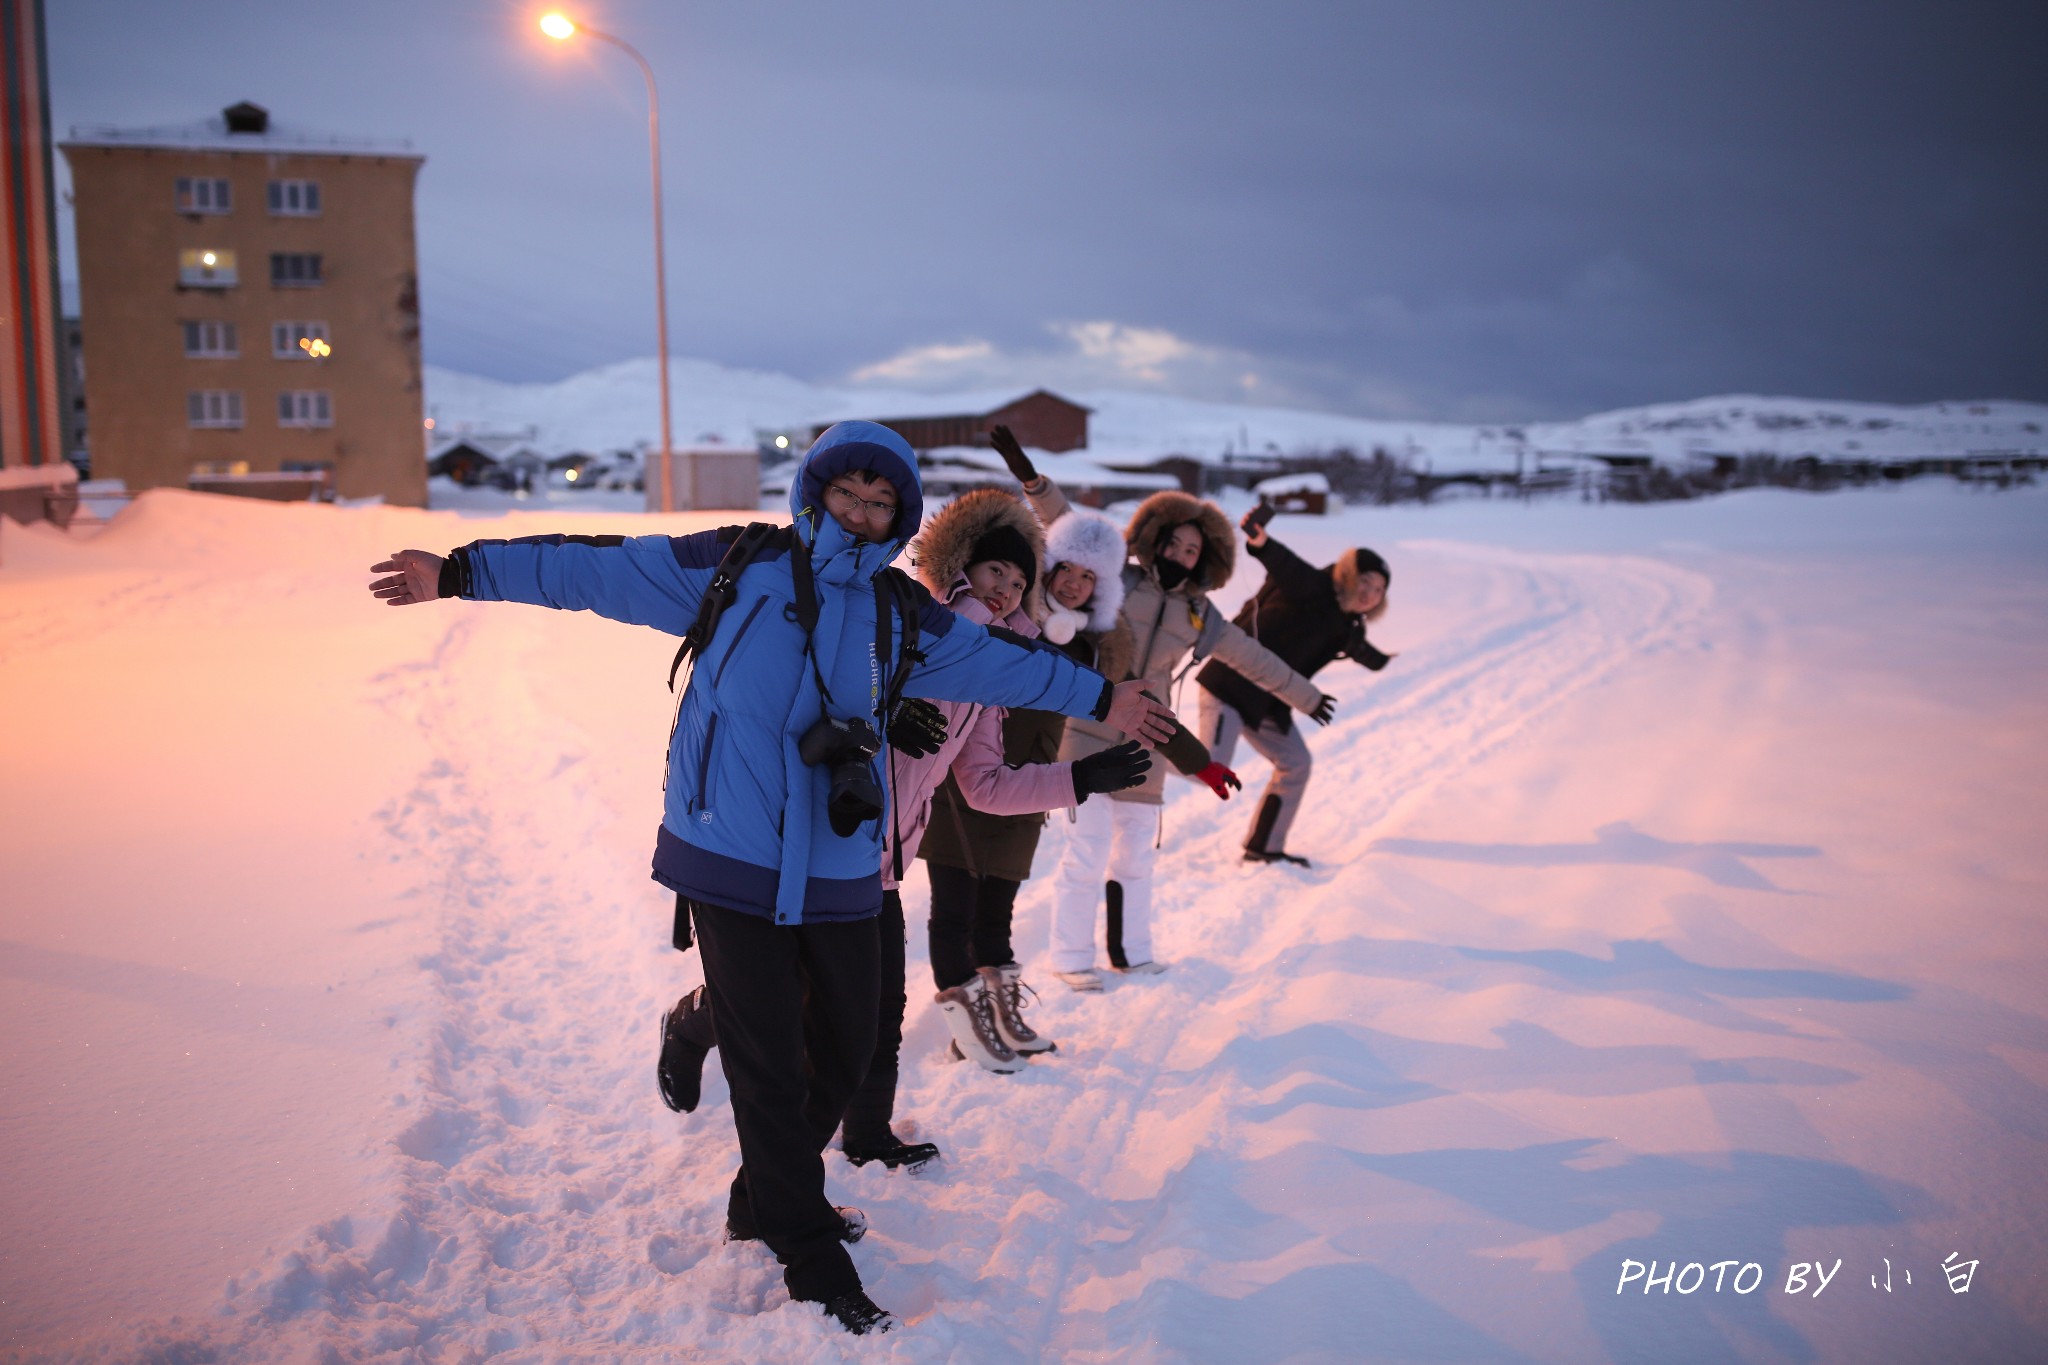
x=1258, y=516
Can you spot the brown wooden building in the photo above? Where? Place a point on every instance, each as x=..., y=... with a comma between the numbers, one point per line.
x=1041, y=419
x=250, y=304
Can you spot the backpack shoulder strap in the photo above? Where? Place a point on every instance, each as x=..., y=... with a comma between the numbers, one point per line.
x=746, y=543
x=897, y=589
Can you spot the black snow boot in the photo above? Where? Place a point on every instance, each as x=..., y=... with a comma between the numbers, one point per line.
x=686, y=1037
x=858, y=1314
x=894, y=1153
x=1255, y=850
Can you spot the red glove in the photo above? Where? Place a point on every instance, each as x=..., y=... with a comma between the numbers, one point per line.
x=1220, y=780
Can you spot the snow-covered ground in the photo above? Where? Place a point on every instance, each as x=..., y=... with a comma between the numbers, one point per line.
x=1677, y=897
x=615, y=407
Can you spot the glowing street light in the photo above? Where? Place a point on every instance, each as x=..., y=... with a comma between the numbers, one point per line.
x=560, y=27
x=207, y=259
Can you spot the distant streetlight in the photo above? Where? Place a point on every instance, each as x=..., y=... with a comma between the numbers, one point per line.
x=561, y=28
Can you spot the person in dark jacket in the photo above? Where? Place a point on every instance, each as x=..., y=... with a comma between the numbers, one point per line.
x=1308, y=617
x=780, y=871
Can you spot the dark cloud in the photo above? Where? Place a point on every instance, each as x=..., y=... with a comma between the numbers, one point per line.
x=1455, y=209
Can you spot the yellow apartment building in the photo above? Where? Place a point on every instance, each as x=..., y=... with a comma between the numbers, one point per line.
x=249, y=304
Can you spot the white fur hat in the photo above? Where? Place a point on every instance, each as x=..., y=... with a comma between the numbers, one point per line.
x=1094, y=542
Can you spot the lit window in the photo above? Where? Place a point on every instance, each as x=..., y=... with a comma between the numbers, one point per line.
x=295, y=269
x=304, y=408
x=286, y=336
x=213, y=408
x=206, y=268
x=295, y=198
x=210, y=340
x=203, y=194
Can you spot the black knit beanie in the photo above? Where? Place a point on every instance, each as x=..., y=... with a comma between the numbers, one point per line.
x=1007, y=544
x=1367, y=561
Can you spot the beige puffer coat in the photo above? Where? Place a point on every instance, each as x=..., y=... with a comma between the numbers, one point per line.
x=1167, y=626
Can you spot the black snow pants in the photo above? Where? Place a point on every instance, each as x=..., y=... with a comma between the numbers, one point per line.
x=872, y=1106
x=970, y=924
x=795, y=1009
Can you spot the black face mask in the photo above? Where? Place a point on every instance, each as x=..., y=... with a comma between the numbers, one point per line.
x=1171, y=574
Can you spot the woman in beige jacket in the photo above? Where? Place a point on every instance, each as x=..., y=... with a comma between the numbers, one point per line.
x=1181, y=548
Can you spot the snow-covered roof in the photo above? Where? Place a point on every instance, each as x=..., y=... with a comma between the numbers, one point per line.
x=1310, y=482
x=212, y=135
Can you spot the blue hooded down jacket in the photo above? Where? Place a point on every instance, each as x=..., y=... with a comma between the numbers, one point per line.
x=744, y=824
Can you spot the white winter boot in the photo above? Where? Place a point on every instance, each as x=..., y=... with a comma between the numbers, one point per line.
x=971, y=1015
x=1006, y=986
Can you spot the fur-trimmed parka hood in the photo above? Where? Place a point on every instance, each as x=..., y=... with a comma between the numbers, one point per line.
x=1092, y=541
x=940, y=554
x=1159, y=514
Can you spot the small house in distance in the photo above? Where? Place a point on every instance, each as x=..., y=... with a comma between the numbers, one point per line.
x=1041, y=419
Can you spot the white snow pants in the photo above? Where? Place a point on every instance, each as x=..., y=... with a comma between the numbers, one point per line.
x=1110, y=841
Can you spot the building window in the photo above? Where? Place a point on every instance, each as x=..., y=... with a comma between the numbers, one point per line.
x=295, y=198
x=213, y=408
x=206, y=268
x=294, y=269
x=304, y=408
x=203, y=194
x=286, y=338
x=210, y=340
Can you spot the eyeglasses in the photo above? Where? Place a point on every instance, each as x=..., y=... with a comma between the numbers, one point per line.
x=853, y=504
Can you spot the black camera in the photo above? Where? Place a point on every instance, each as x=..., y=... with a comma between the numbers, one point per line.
x=847, y=748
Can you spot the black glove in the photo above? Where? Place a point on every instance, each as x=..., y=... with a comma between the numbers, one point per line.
x=1111, y=770
x=1006, y=445
x=916, y=728
x=1326, y=710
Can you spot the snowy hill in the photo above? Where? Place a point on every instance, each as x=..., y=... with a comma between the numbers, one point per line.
x=616, y=407
x=1676, y=899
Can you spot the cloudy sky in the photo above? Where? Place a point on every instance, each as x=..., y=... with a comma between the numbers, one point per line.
x=1451, y=209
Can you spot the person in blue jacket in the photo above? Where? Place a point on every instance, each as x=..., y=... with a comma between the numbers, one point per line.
x=781, y=881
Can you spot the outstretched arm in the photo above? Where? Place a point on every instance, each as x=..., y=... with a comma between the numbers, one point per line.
x=645, y=580
x=1260, y=666
x=964, y=662
x=415, y=578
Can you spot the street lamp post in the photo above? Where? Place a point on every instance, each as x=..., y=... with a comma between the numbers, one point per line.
x=561, y=28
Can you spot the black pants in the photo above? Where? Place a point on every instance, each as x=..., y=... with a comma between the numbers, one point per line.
x=795, y=1009
x=970, y=923
x=868, y=1113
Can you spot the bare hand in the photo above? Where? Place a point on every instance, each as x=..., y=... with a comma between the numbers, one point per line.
x=415, y=577
x=1254, y=532
x=1137, y=715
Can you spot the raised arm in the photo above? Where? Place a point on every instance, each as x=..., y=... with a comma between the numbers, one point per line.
x=1048, y=504
x=1294, y=575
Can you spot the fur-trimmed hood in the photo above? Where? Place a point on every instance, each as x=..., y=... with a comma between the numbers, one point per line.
x=1159, y=514
x=940, y=554
x=1091, y=540
x=1348, y=569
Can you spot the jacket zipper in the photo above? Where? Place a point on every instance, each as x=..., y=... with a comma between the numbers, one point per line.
x=703, y=801
x=734, y=647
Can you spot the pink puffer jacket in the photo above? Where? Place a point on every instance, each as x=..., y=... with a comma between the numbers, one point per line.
x=974, y=752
